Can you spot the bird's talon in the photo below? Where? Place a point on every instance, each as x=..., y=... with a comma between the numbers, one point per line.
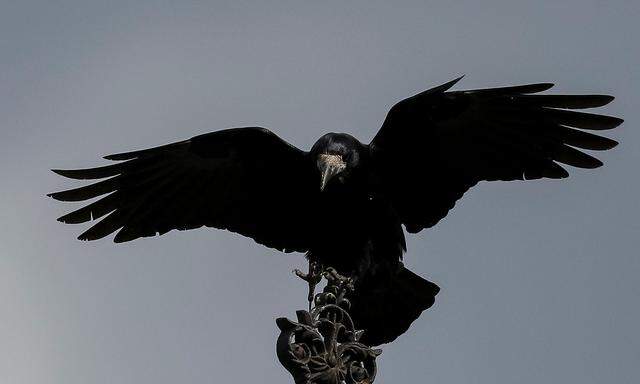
x=300, y=274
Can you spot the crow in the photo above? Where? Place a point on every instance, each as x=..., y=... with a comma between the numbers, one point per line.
x=344, y=203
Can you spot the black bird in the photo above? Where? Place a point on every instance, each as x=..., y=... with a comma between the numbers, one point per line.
x=344, y=202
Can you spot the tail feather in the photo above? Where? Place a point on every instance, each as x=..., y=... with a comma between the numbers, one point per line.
x=385, y=308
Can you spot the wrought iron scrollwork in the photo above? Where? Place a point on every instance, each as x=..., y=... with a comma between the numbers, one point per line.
x=322, y=347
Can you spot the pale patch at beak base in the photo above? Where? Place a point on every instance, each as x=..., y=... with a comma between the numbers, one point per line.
x=329, y=166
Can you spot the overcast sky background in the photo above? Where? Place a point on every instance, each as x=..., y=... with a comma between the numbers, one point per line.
x=539, y=279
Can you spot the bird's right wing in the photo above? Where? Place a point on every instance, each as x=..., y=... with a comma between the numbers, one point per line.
x=246, y=180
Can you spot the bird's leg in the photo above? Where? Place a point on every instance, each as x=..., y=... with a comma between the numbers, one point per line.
x=312, y=278
x=337, y=279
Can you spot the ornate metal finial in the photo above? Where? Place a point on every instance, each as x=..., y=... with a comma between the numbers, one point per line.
x=322, y=347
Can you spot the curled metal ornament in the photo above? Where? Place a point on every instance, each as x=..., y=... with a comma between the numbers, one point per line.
x=322, y=347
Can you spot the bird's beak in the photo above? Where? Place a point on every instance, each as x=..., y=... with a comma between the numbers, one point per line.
x=329, y=166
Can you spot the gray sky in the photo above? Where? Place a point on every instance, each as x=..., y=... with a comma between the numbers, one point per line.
x=554, y=300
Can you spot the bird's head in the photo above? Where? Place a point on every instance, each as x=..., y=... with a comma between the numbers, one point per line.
x=337, y=157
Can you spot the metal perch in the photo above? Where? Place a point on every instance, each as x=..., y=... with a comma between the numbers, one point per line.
x=322, y=347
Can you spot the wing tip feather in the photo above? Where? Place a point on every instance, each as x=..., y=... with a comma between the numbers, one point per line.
x=118, y=156
x=58, y=196
x=617, y=121
x=606, y=99
x=83, y=237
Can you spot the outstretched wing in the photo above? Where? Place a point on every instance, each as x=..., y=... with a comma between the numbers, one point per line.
x=435, y=145
x=246, y=180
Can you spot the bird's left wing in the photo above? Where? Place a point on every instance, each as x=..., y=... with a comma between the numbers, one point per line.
x=435, y=145
x=246, y=180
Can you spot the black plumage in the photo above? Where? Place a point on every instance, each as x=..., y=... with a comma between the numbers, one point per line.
x=344, y=202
